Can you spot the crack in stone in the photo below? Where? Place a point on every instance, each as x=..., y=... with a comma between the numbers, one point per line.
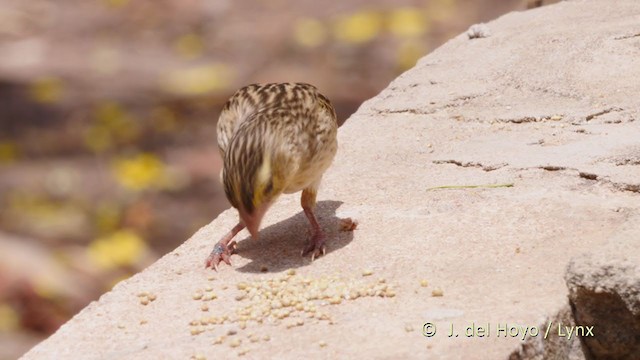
x=553, y=168
x=526, y=119
x=629, y=36
x=620, y=186
x=624, y=162
x=405, y=111
x=460, y=101
x=486, y=168
x=529, y=119
x=603, y=112
x=627, y=187
x=588, y=176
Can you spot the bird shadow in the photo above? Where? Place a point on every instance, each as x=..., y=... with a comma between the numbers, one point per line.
x=280, y=244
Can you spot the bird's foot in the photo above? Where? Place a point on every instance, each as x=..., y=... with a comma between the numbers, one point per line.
x=315, y=246
x=220, y=252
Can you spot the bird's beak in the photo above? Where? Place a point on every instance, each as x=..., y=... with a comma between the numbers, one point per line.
x=252, y=221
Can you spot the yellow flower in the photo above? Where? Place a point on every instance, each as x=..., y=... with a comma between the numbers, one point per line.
x=140, y=172
x=441, y=10
x=358, y=28
x=198, y=80
x=107, y=217
x=46, y=90
x=9, y=318
x=309, y=32
x=407, y=22
x=164, y=119
x=189, y=46
x=8, y=152
x=409, y=53
x=115, y=3
x=112, y=124
x=121, y=248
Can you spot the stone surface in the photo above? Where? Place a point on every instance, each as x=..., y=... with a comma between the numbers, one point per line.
x=604, y=297
x=604, y=292
x=546, y=103
x=554, y=347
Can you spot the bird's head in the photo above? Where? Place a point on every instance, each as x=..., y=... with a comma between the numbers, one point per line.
x=252, y=183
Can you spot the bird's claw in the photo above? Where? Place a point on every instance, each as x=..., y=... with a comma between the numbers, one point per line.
x=220, y=252
x=315, y=246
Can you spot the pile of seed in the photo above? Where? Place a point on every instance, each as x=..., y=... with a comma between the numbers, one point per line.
x=146, y=298
x=291, y=299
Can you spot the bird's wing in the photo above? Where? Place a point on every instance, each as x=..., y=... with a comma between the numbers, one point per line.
x=242, y=104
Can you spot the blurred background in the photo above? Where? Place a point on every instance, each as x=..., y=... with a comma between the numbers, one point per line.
x=108, y=108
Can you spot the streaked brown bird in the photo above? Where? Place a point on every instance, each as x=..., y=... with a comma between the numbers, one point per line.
x=274, y=139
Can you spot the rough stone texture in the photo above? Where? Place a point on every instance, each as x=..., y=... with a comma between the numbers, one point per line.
x=555, y=347
x=604, y=292
x=547, y=102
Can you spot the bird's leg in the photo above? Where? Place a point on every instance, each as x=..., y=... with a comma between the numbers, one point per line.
x=224, y=248
x=315, y=245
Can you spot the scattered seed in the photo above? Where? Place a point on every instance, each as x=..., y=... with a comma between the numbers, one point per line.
x=424, y=283
x=322, y=343
x=243, y=352
x=211, y=278
x=437, y=292
x=232, y=332
x=264, y=269
x=235, y=342
x=408, y=328
x=290, y=297
x=335, y=300
x=219, y=340
x=242, y=286
x=143, y=321
x=197, y=296
x=144, y=301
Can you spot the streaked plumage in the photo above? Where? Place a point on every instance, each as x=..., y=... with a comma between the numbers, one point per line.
x=274, y=139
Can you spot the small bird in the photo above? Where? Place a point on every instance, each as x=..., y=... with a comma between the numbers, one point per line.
x=274, y=139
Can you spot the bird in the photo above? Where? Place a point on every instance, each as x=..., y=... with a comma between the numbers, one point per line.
x=274, y=139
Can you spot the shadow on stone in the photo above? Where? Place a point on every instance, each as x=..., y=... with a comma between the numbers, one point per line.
x=280, y=244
